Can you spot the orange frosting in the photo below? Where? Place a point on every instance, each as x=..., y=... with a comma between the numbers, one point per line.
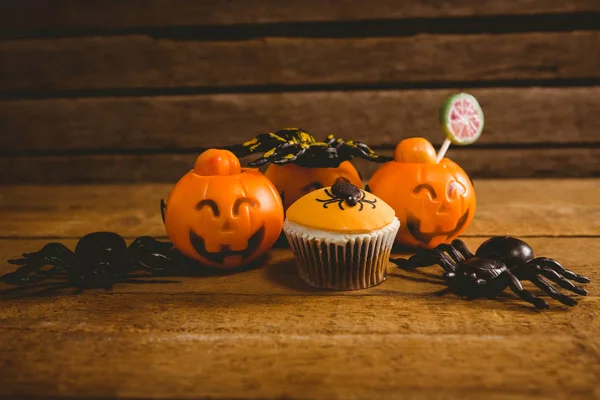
x=311, y=213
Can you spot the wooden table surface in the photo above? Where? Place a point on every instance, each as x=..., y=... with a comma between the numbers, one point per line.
x=264, y=334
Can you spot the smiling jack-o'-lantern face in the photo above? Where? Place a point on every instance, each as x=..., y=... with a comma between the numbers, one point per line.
x=223, y=215
x=434, y=202
x=293, y=181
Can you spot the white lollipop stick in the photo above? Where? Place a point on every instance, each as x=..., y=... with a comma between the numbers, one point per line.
x=443, y=150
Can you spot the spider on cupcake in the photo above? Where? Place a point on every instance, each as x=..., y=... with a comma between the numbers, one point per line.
x=343, y=191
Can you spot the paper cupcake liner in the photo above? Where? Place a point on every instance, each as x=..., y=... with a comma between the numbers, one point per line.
x=341, y=261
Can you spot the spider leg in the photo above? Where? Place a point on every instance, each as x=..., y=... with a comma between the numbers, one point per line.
x=332, y=198
x=281, y=154
x=366, y=151
x=425, y=257
x=258, y=162
x=331, y=139
x=51, y=251
x=291, y=156
x=328, y=202
x=54, y=254
x=148, y=243
x=562, y=282
x=30, y=272
x=547, y=287
x=259, y=144
x=516, y=286
x=352, y=149
x=152, y=255
x=462, y=248
x=545, y=262
x=452, y=252
x=363, y=199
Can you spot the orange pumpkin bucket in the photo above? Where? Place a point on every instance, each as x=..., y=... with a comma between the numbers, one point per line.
x=435, y=202
x=293, y=181
x=221, y=214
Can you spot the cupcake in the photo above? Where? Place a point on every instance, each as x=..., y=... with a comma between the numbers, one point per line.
x=341, y=237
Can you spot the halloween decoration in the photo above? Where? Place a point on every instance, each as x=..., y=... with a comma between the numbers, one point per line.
x=100, y=260
x=301, y=164
x=294, y=145
x=221, y=214
x=344, y=247
x=500, y=262
x=434, y=202
x=343, y=191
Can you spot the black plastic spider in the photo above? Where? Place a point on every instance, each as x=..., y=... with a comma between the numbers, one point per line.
x=500, y=262
x=343, y=191
x=100, y=260
x=296, y=146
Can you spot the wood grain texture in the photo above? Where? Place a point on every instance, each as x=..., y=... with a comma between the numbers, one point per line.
x=514, y=116
x=264, y=334
x=38, y=14
x=297, y=367
x=136, y=61
x=120, y=168
x=567, y=207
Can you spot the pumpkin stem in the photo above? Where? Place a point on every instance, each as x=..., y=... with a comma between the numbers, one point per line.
x=217, y=162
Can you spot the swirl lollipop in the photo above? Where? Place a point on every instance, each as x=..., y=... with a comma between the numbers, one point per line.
x=461, y=117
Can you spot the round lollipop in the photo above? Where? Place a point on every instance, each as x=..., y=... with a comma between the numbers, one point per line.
x=461, y=117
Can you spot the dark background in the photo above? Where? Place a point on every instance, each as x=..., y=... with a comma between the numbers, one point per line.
x=119, y=91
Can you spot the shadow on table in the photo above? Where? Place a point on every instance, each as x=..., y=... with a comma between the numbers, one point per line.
x=59, y=286
x=285, y=273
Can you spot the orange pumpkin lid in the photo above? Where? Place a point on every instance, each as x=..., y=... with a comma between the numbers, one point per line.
x=415, y=150
x=217, y=162
x=342, y=207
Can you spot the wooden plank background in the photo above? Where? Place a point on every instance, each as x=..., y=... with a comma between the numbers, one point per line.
x=121, y=91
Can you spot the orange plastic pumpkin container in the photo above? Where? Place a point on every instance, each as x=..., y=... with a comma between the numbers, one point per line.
x=221, y=214
x=293, y=181
x=435, y=203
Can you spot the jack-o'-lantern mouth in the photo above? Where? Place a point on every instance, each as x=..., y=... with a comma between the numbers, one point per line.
x=413, y=225
x=225, y=250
